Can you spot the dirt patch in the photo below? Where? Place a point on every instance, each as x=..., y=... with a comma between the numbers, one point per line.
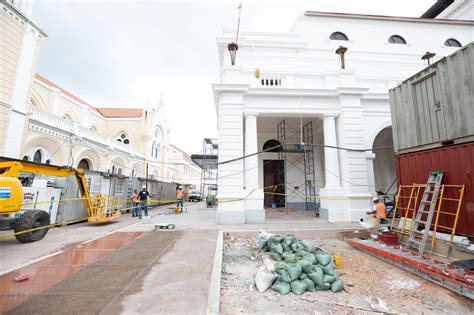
x=364, y=276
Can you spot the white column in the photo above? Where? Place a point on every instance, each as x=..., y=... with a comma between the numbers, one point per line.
x=251, y=163
x=254, y=211
x=369, y=156
x=16, y=121
x=331, y=155
x=230, y=182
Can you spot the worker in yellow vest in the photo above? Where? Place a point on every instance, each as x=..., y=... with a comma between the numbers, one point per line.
x=378, y=210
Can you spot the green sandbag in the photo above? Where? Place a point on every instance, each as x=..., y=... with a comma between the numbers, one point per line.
x=328, y=270
x=298, y=287
x=303, y=276
x=273, y=240
x=286, y=248
x=323, y=287
x=337, y=286
x=324, y=259
x=306, y=265
x=265, y=249
x=317, y=276
x=281, y=287
x=311, y=258
x=289, y=257
x=287, y=240
x=262, y=244
x=276, y=256
x=304, y=246
x=276, y=248
x=280, y=268
x=284, y=278
x=329, y=279
x=294, y=246
x=310, y=285
x=294, y=271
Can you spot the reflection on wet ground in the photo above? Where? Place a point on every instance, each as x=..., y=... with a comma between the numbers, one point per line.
x=49, y=271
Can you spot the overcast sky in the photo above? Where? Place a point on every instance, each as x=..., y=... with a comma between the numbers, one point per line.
x=124, y=53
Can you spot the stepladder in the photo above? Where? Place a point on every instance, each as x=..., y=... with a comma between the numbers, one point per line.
x=420, y=231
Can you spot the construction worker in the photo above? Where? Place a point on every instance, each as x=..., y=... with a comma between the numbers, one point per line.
x=143, y=198
x=179, y=198
x=135, y=203
x=378, y=210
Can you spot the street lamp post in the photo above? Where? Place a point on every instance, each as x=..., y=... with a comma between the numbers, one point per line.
x=233, y=47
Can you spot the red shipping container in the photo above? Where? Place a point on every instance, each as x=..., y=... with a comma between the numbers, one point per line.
x=457, y=163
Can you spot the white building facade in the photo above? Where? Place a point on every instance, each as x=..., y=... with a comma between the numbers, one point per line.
x=187, y=172
x=290, y=86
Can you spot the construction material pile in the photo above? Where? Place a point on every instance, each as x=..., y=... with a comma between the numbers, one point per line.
x=299, y=267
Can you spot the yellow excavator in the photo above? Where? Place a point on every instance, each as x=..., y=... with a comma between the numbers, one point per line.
x=11, y=196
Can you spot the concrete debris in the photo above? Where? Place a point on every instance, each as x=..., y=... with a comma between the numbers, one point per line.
x=402, y=283
x=377, y=304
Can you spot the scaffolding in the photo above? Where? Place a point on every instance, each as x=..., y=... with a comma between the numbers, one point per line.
x=297, y=153
x=208, y=163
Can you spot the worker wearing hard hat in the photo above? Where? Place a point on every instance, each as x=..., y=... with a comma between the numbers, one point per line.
x=143, y=198
x=378, y=210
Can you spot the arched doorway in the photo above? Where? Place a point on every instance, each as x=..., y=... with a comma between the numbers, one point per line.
x=384, y=162
x=84, y=164
x=273, y=175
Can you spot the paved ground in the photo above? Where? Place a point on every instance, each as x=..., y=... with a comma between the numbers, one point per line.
x=15, y=254
x=167, y=272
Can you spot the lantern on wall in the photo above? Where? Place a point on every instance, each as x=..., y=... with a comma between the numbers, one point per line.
x=233, y=47
x=341, y=52
x=428, y=56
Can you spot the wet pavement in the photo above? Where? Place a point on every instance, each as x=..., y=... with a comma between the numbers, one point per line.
x=46, y=273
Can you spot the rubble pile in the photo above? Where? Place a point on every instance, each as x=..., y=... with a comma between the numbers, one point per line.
x=299, y=268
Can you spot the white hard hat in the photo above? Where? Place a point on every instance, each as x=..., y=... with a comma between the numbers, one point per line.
x=143, y=186
x=375, y=199
x=180, y=187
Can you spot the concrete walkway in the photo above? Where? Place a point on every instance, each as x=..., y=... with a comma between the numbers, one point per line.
x=164, y=272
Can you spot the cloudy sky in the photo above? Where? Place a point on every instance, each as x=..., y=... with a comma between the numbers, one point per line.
x=125, y=53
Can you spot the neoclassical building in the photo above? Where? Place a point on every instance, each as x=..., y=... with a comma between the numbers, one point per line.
x=325, y=125
x=42, y=122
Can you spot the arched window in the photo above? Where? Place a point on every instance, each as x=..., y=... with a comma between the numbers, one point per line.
x=396, y=39
x=272, y=146
x=48, y=161
x=84, y=164
x=114, y=169
x=338, y=36
x=37, y=157
x=25, y=158
x=123, y=138
x=451, y=42
x=157, y=143
x=93, y=128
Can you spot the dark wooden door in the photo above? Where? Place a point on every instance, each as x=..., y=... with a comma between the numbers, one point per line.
x=274, y=174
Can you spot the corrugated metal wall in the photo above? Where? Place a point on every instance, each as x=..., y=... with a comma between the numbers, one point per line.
x=436, y=104
x=457, y=163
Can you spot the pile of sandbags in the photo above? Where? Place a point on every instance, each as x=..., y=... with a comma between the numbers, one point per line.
x=300, y=268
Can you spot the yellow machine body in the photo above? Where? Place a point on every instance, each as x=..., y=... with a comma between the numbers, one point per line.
x=11, y=193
